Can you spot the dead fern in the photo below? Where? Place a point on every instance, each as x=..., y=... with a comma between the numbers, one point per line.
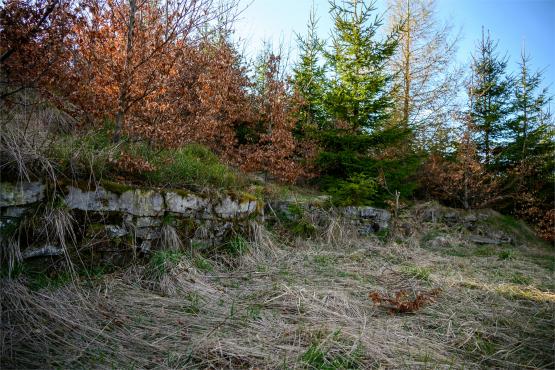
x=402, y=302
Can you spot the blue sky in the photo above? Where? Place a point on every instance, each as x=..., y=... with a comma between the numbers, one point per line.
x=509, y=21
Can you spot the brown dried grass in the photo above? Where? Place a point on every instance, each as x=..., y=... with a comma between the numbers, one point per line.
x=277, y=304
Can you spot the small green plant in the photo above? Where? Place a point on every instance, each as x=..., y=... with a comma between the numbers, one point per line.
x=295, y=221
x=485, y=251
x=163, y=261
x=417, y=272
x=324, y=260
x=430, y=235
x=254, y=311
x=237, y=245
x=194, y=302
x=168, y=219
x=16, y=270
x=382, y=234
x=507, y=254
x=485, y=345
x=521, y=279
x=202, y=264
x=42, y=280
x=303, y=228
x=318, y=357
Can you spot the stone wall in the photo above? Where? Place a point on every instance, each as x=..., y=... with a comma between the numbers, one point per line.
x=115, y=216
x=367, y=220
x=133, y=213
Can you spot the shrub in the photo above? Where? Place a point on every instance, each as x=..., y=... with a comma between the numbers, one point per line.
x=359, y=189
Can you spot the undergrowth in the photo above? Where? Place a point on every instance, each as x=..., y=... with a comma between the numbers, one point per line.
x=93, y=155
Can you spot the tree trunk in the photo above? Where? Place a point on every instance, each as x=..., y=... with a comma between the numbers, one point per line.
x=125, y=83
x=407, y=71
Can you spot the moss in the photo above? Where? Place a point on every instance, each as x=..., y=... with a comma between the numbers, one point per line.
x=181, y=192
x=247, y=197
x=116, y=187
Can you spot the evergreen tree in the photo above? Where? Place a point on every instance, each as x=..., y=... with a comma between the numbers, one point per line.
x=357, y=99
x=309, y=78
x=529, y=158
x=490, y=90
x=529, y=130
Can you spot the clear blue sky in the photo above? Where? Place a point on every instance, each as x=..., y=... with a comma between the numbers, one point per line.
x=510, y=21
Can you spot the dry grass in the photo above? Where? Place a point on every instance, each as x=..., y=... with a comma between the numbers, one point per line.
x=169, y=238
x=303, y=304
x=27, y=133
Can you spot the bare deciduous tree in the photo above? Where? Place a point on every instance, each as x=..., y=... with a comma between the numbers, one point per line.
x=426, y=78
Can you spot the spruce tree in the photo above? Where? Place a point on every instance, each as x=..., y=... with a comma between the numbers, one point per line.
x=309, y=78
x=358, y=95
x=490, y=90
x=529, y=128
x=357, y=99
x=528, y=158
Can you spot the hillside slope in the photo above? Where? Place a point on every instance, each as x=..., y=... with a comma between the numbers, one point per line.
x=424, y=296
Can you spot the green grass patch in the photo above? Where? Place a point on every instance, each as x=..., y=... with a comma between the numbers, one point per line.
x=544, y=260
x=190, y=165
x=516, y=228
x=521, y=279
x=429, y=236
x=237, y=245
x=294, y=221
x=93, y=152
x=323, y=356
x=485, y=345
x=193, y=303
x=163, y=261
x=54, y=280
x=80, y=155
x=324, y=260
x=507, y=254
x=382, y=234
x=202, y=264
x=485, y=251
x=417, y=272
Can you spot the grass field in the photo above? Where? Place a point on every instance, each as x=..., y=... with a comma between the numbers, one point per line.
x=297, y=303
